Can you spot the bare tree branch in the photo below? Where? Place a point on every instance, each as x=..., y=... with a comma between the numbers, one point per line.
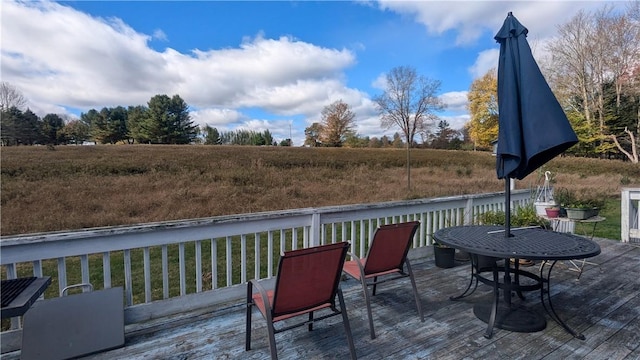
x=10, y=96
x=633, y=157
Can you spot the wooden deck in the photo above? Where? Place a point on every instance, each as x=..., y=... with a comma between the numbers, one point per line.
x=604, y=304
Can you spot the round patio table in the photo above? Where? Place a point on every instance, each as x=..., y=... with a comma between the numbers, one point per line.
x=531, y=243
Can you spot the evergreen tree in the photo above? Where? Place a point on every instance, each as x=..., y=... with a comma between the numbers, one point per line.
x=136, y=116
x=52, y=125
x=168, y=121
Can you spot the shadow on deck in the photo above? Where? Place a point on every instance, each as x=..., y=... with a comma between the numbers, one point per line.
x=604, y=304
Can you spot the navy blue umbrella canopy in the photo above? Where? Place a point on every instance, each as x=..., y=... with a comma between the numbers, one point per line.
x=532, y=127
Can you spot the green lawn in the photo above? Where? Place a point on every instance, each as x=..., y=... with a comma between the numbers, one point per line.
x=610, y=228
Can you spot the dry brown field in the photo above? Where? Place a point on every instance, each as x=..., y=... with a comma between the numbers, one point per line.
x=75, y=187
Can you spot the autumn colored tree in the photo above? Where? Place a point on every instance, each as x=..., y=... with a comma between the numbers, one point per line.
x=337, y=123
x=76, y=132
x=312, y=135
x=483, y=108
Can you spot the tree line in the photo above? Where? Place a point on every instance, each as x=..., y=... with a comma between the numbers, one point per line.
x=165, y=120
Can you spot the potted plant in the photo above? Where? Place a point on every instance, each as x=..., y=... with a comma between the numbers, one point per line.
x=563, y=198
x=552, y=211
x=544, y=194
x=444, y=255
x=585, y=206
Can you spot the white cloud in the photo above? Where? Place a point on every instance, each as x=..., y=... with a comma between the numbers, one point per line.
x=158, y=34
x=456, y=101
x=380, y=82
x=456, y=122
x=470, y=19
x=57, y=55
x=218, y=118
x=485, y=61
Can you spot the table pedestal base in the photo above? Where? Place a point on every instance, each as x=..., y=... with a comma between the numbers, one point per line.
x=514, y=318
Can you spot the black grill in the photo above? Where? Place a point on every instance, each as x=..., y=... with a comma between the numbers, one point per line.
x=10, y=289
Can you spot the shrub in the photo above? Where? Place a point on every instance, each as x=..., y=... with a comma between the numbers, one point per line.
x=520, y=216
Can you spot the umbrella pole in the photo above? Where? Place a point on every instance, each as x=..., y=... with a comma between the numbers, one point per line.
x=507, y=205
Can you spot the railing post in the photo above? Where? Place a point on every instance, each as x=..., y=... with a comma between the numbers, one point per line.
x=468, y=212
x=314, y=235
x=625, y=215
x=629, y=214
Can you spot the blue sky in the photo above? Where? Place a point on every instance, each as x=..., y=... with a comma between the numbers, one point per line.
x=257, y=65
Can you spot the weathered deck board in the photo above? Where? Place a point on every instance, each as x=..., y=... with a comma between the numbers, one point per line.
x=604, y=304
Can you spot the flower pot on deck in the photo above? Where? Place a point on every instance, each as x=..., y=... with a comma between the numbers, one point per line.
x=552, y=212
x=581, y=214
x=445, y=256
x=542, y=205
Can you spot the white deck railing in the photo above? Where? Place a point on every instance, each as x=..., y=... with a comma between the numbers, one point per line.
x=629, y=215
x=167, y=267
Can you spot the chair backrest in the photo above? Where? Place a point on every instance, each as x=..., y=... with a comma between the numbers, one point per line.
x=308, y=278
x=389, y=247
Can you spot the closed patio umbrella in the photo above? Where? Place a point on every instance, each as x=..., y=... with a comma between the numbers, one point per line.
x=532, y=126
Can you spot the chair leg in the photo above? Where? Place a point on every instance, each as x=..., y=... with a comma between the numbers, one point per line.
x=415, y=290
x=272, y=341
x=367, y=300
x=247, y=342
x=375, y=285
x=347, y=326
x=310, y=320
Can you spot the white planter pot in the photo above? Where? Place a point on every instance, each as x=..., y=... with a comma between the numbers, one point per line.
x=541, y=206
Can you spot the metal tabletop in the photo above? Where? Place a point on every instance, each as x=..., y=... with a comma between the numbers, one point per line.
x=526, y=243
x=26, y=293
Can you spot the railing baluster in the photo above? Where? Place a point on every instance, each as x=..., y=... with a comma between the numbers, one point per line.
x=198, y=255
x=11, y=271
x=165, y=272
x=84, y=268
x=106, y=269
x=363, y=239
x=354, y=238
x=343, y=232
x=128, y=282
x=37, y=268
x=229, y=261
x=62, y=274
x=214, y=263
x=421, y=232
x=183, y=274
x=294, y=239
x=256, y=240
x=243, y=258
x=283, y=235
x=146, y=260
x=269, y=254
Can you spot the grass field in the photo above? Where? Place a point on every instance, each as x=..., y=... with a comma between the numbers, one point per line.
x=75, y=187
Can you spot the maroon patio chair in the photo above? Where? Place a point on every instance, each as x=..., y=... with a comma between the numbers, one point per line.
x=307, y=282
x=385, y=262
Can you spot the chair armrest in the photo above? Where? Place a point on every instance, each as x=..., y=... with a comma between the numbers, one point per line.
x=358, y=261
x=263, y=294
x=353, y=256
